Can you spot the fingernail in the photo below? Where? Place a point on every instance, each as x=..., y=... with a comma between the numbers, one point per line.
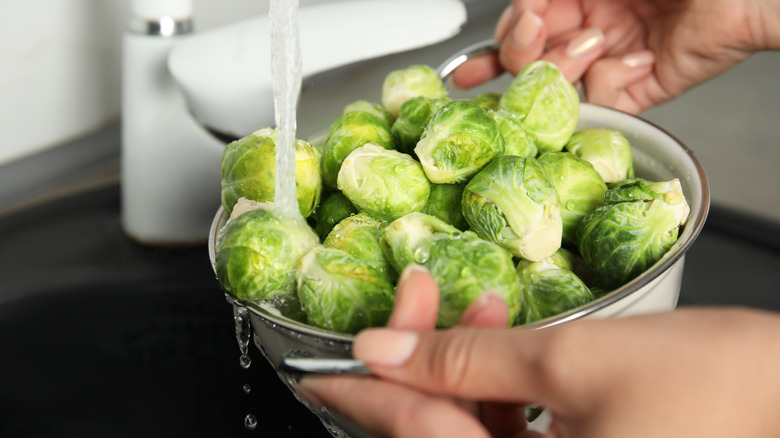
x=503, y=23
x=526, y=30
x=639, y=59
x=384, y=347
x=585, y=43
x=409, y=270
x=478, y=305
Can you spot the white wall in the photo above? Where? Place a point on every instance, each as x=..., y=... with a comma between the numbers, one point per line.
x=60, y=66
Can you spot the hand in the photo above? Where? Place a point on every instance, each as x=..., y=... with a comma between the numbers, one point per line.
x=690, y=372
x=630, y=55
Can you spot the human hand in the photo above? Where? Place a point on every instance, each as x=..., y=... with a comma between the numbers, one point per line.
x=630, y=55
x=690, y=372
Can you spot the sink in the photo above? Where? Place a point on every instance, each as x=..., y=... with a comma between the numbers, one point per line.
x=101, y=336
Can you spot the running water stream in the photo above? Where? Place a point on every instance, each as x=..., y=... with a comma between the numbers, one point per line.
x=287, y=77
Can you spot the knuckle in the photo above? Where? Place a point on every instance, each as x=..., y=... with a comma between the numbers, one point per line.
x=555, y=364
x=451, y=366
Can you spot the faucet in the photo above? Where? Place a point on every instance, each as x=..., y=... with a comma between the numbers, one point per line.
x=185, y=94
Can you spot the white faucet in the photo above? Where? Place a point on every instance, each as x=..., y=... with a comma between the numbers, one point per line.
x=175, y=82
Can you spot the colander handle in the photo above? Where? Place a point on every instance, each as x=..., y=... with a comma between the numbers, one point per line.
x=481, y=48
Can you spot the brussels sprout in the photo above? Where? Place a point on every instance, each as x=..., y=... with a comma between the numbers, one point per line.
x=406, y=240
x=460, y=139
x=349, y=132
x=620, y=241
x=383, y=183
x=371, y=108
x=414, y=116
x=549, y=289
x=580, y=189
x=607, y=150
x=565, y=259
x=465, y=266
x=331, y=211
x=359, y=236
x=257, y=253
x=546, y=102
x=445, y=203
x=404, y=84
x=487, y=101
x=516, y=139
x=638, y=189
x=513, y=203
x=249, y=169
x=341, y=292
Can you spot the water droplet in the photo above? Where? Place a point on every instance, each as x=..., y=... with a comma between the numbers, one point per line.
x=247, y=388
x=250, y=422
x=563, y=177
x=243, y=334
x=571, y=205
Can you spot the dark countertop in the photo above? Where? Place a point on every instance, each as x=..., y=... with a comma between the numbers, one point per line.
x=101, y=336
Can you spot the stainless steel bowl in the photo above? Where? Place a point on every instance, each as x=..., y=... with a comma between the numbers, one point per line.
x=658, y=156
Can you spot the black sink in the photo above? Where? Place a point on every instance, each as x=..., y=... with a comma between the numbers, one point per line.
x=100, y=336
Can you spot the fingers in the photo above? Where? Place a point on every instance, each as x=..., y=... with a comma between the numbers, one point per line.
x=387, y=409
x=484, y=364
x=416, y=300
x=476, y=71
x=611, y=81
x=523, y=42
x=576, y=56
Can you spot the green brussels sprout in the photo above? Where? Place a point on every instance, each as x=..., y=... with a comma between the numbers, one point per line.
x=445, y=203
x=513, y=203
x=406, y=240
x=349, y=132
x=359, y=235
x=249, y=167
x=404, y=84
x=488, y=101
x=460, y=139
x=386, y=184
x=256, y=255
x=638, y=189
x=341, y=292
x=516, y=139
x=580, y=189
x=371, y=108
x=464, y=266
x=607, y=150
x=546, y=102
x=620, y=241
x=414, y=115
x=331, y=211
x=549, y=289
x=565, y=259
